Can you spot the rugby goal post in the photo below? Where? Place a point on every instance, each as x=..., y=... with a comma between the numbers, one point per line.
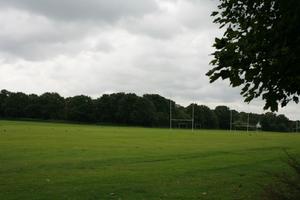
x=192, y=120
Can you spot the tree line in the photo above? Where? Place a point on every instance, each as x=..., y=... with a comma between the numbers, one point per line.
x=149, y=110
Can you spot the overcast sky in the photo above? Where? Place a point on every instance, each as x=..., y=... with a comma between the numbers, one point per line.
x=94, y=47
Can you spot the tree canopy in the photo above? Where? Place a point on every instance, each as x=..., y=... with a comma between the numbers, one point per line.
x=151, y=110
x=260, y=49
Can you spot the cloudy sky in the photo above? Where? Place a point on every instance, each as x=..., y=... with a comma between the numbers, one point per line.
x=94, y=47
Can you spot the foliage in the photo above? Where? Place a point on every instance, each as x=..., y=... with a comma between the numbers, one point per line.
x=34, y=108
x=3, y=96
x=260, y=49
x=223, y=115
x=272, y=122
x=204, y=116
x=52, y=105
x=150, y=110
x=14, y=104
x=135, y=110
x=107, y=109
x=80, y=109
x=162, y=108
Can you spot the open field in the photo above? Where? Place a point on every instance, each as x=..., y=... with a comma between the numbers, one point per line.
x=63, y=161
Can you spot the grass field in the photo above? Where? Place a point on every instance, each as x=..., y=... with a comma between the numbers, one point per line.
x=63, y=161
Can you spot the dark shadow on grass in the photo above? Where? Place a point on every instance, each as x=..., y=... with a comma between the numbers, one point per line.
x=285, y=185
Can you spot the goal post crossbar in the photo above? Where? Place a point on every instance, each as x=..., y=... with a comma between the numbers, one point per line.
x=183, y=120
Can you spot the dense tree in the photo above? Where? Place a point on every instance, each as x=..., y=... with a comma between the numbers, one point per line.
x=143, y=112
x=107, y=107
x=3, y=95
x=162, y=109
x=268, y=121
x=254, y=118
x=204, y=117
x=272, y=122
x=260, y=49
x=51, y=105
x=80, y=109
x=240, y=120
x=181, y=117
x=34, y=108
x=179, y=112
x=135, y=110
x=14, y=105
x=129, y=109
x=283, y=124
x=126, y=108
x=223, y=115
x=161, y=103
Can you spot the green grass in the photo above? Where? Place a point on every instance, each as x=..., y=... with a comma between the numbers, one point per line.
x=63, y=161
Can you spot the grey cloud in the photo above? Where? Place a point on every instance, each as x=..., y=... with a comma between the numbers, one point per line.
x=196, y=14
x=37, y=30
x=160, y=27
x=38, y=51
x=31, y=37
x=103, y=46
x=69, y=10
x=173, y=18
x=94, y=47
x=48, y=28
